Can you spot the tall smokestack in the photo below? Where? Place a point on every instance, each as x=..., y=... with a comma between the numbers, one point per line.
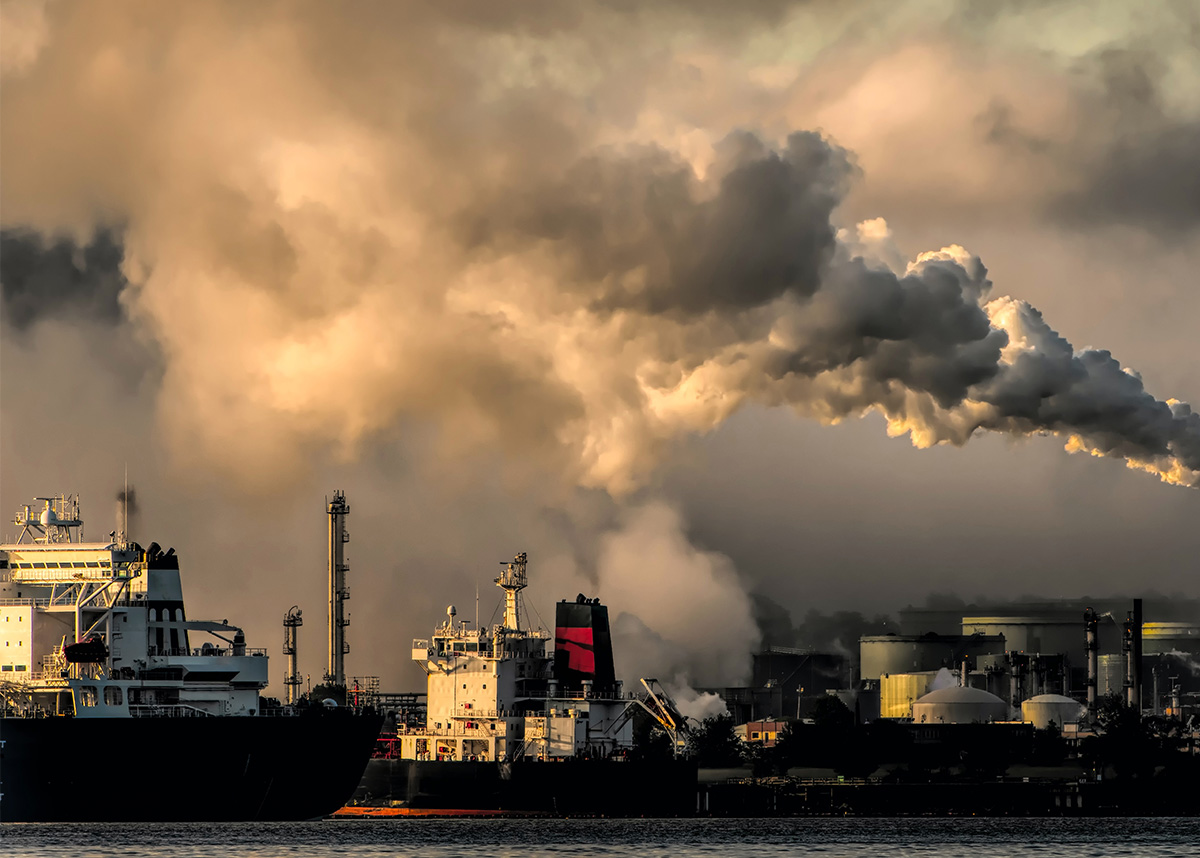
x=291, y=679
x=338, y=594
x=127, y=512
x=1127, y=649
x=1091, y=625
x=1137, y=654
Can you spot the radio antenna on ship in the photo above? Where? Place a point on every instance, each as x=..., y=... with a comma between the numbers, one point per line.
x=512, y=581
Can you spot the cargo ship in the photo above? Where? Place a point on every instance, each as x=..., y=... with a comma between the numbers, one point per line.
x=114, y=706
x=509, y=727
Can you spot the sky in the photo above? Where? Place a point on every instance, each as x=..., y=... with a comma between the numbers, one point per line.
x=836, y=305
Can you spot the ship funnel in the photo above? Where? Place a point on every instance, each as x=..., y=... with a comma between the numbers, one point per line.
x=583, y=651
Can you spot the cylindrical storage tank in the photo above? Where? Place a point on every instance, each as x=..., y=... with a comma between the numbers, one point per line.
x=1166, y=638
x=1110, y=677
x=1044, y=708
x=1052, y=632
x=959, y=705
x=880, y=654
x=898, y=692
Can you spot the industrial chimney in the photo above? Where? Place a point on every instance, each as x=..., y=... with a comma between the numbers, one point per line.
x=338, y=509
x=1137, y=655
x=1133, y=657
x=291, y=679
x=1091, y=625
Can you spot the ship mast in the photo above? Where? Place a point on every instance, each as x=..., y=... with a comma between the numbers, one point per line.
x=512, y=581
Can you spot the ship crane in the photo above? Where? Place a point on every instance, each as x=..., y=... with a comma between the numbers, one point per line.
x=659, y=705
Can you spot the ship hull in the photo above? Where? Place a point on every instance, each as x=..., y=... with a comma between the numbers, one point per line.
x=182, y=769
x=567, y=787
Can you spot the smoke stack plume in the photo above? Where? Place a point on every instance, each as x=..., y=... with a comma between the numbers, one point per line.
x=128, y=512
x=517, y=273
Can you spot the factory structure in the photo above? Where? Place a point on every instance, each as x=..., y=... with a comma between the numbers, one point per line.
x=1029, y=664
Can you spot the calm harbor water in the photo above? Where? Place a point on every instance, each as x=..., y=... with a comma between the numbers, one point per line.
x=682, y=838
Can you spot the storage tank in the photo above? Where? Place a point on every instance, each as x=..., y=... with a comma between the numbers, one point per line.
x=1044, y=708
x=1048, y=632
x=898, y=692
x=1165, y=638
x=880, y=654
x=959, y=705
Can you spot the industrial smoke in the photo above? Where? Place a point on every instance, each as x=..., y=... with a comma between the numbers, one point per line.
x=569, y=235
x=581, y=301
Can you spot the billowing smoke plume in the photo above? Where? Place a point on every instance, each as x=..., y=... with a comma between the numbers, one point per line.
x=386, y=234
x=532, y=280
x=682, y=615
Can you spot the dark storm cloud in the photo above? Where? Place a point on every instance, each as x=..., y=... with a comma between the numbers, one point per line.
x=1149, y=177
x=1150, y=173
x=42, y=278
x=1135, y=161
x=635, y=230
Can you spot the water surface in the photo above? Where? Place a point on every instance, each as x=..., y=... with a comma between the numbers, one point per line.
x=636, y=838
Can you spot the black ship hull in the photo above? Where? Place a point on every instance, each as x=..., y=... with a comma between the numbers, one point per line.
x=182, y=769
x=568, y=787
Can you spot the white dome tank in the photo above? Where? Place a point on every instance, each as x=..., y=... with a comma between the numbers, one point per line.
x=959, y=705
x=1044, y=708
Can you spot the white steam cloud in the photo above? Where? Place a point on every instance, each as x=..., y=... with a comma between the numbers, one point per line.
x=682, y=615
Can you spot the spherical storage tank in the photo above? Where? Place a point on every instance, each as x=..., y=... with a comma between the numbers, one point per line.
x=1044, y=708
x=959, y=705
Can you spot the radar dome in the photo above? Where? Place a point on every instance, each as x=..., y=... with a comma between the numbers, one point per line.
x=49, y=517
x=450, y=611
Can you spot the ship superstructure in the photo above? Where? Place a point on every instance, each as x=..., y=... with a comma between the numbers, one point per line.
x=511, y=726
x=494, y=694
x=97, y=651
x=99, y=629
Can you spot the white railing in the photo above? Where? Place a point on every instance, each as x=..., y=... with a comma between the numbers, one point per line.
x=178, y=710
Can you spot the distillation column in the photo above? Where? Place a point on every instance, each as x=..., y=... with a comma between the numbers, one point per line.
x=1091, y=624
x=338, y=594
x=291, y=679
